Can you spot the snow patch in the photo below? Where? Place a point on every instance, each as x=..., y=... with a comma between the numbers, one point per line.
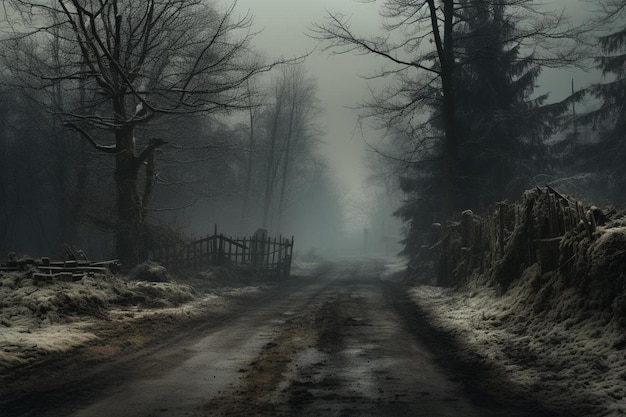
x=574, y=361
x=39, y=316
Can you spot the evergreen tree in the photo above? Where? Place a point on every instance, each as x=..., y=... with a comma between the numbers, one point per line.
x=440, y=102
x=501, y=126
x=606, y=156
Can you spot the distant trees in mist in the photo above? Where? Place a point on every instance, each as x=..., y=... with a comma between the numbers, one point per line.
x=109, y=106
x=120, y=116
x=465, y=125
x=600, y=150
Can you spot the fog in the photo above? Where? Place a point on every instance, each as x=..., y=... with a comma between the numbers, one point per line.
x=336, y=196
x=364, y=226
x=285, y=30
x=175, y=174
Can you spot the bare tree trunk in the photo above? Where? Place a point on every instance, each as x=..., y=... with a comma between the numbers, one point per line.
x=445, y=53
x=82, y=170
x=82, y=176
x=129, y=204
x=246, y=197
x=283, y=186
x=272, y=169
x=142, y=59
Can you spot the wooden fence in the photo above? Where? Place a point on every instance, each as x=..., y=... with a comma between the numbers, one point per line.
x=514, y=234
x=261, y=253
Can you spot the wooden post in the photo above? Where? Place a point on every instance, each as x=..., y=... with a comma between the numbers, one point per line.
x=243, y=251
x=194, y=262
x=501, y=227
x=274, y=254
x=281, y=258
x=467, y=229
x=290, y=257
x=220, y=251
x=267, y=252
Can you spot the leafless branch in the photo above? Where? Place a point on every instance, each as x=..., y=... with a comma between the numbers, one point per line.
x=112, y=149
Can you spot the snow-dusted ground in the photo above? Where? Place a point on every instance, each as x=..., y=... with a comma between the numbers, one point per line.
x=42, y=317
x=576, y=362
x=565, y=356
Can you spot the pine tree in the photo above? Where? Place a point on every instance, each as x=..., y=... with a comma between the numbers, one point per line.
x=424, y=107
x=606, y=156
x=503, y=127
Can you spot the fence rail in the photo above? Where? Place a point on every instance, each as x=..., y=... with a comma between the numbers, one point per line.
x=514, y=234
x=263, y=254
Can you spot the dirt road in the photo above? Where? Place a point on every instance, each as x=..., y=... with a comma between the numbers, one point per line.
x=343, y=342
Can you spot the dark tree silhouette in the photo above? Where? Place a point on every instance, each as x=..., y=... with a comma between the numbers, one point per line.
x=423, y=60
x=503, y=123
x=606, y=155
x=132, y=62
x=457, y=124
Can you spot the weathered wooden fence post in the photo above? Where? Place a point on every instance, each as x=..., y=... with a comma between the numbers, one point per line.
x=261, y=252
x=501, y=227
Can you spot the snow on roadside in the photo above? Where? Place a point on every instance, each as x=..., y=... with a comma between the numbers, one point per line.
x=43, y=316
x=19, y=345
x=574, y=362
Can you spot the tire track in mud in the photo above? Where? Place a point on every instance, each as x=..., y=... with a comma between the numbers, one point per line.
x=340, y=343
x=297, y=368
x=323, y=362
x=276, y=383
x=354, y=348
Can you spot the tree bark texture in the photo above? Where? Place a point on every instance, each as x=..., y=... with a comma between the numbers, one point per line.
x=445, y=53
x=129, y=203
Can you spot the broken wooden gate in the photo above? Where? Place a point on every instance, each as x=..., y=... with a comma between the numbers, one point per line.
x=263, y=254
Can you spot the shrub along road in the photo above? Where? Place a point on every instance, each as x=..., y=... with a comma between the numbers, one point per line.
x=343, y=341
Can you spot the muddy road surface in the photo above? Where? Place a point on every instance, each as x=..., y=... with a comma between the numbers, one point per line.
x=341, y=342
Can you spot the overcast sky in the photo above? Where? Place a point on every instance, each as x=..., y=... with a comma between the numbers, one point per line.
x=284, y=23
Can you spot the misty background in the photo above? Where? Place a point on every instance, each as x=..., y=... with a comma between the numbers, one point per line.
x=337, y=193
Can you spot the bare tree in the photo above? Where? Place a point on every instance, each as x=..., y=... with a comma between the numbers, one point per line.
x=291, y=132
x=272, y=165
x=253, y=116
x=133, y=61
x=302, y=113
x=421, y=63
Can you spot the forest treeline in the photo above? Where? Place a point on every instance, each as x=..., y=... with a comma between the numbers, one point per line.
x=465, y=122
x=116, y=113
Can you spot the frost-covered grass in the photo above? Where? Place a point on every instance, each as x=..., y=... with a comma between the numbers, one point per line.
x=567, y=362
x=559, y=335
x=20, y=344
x=41, y=316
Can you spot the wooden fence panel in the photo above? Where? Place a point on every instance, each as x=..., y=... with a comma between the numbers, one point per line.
x=484, y=240
x=264, y=255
